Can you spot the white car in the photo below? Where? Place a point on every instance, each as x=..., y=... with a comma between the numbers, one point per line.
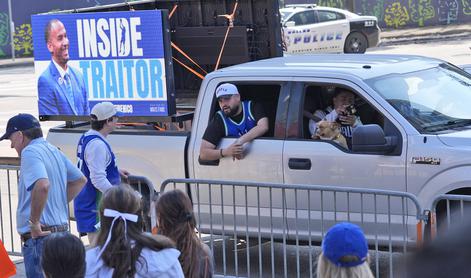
x=315, y=29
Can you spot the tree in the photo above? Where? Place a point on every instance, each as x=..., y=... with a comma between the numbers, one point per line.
x=396, y=15
x=23, y=39
x=421, y=10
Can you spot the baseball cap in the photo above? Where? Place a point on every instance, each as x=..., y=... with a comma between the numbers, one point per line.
x=345, y=239
x=20, y=122
x=104, y=110
x=226, y=89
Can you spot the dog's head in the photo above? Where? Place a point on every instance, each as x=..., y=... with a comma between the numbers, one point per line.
x=327, y=130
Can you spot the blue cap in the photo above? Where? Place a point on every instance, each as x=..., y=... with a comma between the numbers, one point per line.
x=345, y=239
x=20, y=122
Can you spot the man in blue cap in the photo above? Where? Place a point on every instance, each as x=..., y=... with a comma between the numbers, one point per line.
x=48, y=181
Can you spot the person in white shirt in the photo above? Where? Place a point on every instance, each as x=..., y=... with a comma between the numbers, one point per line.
x=342, y=99
x=123, y=250
x=98, y=163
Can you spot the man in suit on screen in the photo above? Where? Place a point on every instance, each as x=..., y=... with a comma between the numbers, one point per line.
x=61, y=88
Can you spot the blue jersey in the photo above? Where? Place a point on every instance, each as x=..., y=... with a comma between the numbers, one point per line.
x=86, y=202
x=238, y=129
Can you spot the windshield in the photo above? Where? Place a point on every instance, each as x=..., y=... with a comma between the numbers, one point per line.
x=435, y=100
x=284, y=15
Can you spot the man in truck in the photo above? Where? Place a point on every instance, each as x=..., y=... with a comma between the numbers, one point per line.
x=243, y=119
x=98, y=163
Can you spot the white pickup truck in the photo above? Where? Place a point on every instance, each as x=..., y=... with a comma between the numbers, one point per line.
x=416, y=133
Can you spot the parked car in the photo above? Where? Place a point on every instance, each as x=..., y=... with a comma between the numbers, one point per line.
x=315, y=29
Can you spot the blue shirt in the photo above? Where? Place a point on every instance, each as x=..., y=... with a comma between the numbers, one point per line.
x=41, y=160
x=238, y=129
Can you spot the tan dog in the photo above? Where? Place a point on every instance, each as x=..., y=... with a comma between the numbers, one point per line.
x=330, y=131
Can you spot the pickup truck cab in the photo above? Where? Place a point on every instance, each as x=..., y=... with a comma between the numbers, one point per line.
x=415, y=137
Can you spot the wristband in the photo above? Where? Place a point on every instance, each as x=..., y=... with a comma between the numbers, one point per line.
x=220, y=152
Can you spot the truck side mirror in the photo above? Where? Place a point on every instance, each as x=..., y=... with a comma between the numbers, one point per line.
x=290, y=24
x=371, y=139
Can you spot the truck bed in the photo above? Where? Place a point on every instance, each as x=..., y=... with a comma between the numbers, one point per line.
x=137, y=154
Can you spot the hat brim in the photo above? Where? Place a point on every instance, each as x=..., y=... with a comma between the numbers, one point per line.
x=5, y=136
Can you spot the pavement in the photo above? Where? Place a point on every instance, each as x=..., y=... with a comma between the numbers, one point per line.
x=388, y=37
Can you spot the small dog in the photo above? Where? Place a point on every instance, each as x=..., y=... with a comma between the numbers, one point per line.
x=330, y=131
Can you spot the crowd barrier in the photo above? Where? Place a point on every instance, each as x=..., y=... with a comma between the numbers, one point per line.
x=275, y=230
x=448, y=211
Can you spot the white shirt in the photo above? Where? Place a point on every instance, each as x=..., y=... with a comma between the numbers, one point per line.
x=161, y=264
x=61, y=71
x=331, y=117
x=97, y=157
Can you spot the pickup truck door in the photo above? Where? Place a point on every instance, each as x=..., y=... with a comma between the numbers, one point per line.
x=262, y=161
x=307, y=161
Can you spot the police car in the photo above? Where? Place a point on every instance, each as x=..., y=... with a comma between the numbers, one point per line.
x=316, y=29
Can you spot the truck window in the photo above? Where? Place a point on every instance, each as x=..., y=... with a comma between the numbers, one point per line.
x=265, y=95
x=318, y=98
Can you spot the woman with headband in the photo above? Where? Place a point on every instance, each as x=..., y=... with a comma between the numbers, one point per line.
x=176, y=220
x=122, y=249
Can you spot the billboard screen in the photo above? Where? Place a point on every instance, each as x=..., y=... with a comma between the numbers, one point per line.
x=82, y=59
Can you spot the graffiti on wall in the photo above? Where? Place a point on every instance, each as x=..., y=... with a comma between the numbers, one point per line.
x=405, y=13
x=4, y=33
x=23, y=40
x=376, y=8
x=396, y=15
x=466, y=7
x=332, y=3
x=421, y=11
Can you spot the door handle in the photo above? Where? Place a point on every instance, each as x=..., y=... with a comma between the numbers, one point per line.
x=299, y=163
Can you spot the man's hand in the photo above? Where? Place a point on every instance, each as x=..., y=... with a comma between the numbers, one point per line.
x=347, y=120
x=344, y=118
x=124, y=174
x=36, y=230
x=235, y=150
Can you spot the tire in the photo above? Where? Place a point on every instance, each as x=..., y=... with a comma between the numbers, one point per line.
x=355, y=43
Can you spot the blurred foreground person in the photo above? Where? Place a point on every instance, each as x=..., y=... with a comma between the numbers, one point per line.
x=176, y=221
x=123, y=250
x=449, y=255
x=63, y=256
x=344, y=253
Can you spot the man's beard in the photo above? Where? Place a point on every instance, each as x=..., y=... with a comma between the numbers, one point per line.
x=231, y=112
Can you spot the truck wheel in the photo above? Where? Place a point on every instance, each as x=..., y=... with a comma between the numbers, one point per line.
x=355, y=43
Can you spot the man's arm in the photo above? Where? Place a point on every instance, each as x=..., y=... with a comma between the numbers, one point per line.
x=260, y=129
x=208, y=151
x=97, y=158
x=74, y=188
x=38, y=201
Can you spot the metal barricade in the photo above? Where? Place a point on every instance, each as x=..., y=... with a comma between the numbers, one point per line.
x=8, y=203
x=145, y=187
x=275, y=230
x=448, y=211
